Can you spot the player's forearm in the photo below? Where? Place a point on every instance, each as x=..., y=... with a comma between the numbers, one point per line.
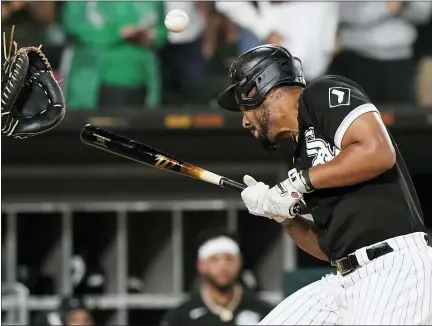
x=355, y=164
x=302, y=232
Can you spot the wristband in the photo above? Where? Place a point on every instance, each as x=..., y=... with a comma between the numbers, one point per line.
x=300, y=180
x=304, y=177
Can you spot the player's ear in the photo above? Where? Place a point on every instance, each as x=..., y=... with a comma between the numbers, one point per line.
x=271, y=94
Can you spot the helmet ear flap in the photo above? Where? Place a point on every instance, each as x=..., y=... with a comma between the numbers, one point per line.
x=298, y=70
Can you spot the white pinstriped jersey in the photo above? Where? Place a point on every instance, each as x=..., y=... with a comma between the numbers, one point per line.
x=394, y=289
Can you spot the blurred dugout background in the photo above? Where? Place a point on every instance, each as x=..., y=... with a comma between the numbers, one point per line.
x=76, y=221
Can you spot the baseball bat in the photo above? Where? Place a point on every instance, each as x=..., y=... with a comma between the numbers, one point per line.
x=148, y=155
x=142, y=153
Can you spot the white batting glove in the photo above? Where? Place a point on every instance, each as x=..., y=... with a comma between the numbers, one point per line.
x=254, y=197
x=282, y=200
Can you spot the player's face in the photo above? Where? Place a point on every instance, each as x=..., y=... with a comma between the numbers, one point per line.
x=221, y=270
x=79, y=317
x=275, y=118
x=259, y=122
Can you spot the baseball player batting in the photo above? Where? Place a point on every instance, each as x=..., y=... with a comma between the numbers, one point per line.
x=367, y=219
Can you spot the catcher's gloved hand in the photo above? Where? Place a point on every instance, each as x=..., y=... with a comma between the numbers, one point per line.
x=31, y=102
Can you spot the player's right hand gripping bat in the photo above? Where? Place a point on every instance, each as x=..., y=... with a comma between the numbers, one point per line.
x=142, y=153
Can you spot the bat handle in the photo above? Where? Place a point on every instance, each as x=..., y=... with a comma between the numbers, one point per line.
x=231, y=184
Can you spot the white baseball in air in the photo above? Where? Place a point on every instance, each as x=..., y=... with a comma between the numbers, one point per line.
x=176, y=21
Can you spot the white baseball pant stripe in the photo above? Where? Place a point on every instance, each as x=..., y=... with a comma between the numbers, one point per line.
x=394, y=289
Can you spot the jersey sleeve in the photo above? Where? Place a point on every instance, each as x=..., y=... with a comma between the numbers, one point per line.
x=334, y=103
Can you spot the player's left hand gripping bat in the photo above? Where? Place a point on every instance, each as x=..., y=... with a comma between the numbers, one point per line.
x=142, y=153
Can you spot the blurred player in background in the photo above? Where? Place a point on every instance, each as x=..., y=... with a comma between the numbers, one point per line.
x=220, y=299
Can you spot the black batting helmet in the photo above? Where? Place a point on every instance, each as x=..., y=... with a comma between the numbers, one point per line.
x=254, y=73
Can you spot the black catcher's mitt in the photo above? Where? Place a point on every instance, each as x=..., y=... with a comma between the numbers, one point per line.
x=32, y=102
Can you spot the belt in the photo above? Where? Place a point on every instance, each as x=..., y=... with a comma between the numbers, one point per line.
x=349, y=263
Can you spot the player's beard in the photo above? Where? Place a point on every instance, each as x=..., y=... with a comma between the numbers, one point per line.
x=263, y=129
x=221, y=288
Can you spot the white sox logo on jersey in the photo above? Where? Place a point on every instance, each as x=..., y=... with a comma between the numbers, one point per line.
x=339, y=96
x=321, y=151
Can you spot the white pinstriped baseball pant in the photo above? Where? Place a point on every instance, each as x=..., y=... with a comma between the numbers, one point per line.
x=394, y=289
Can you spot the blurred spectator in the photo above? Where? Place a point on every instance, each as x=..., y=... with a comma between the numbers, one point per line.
x=376, y=40
x=31, y=19
x=221, y=39
x=182, y=57
x=195, y=71
x=112, y=60
x=220, y=32
x=220, y=299
x=248, y=40
x=245, y=14
x=423, y=44
x=306, y=29
x=423, y=58
x=71, y=312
